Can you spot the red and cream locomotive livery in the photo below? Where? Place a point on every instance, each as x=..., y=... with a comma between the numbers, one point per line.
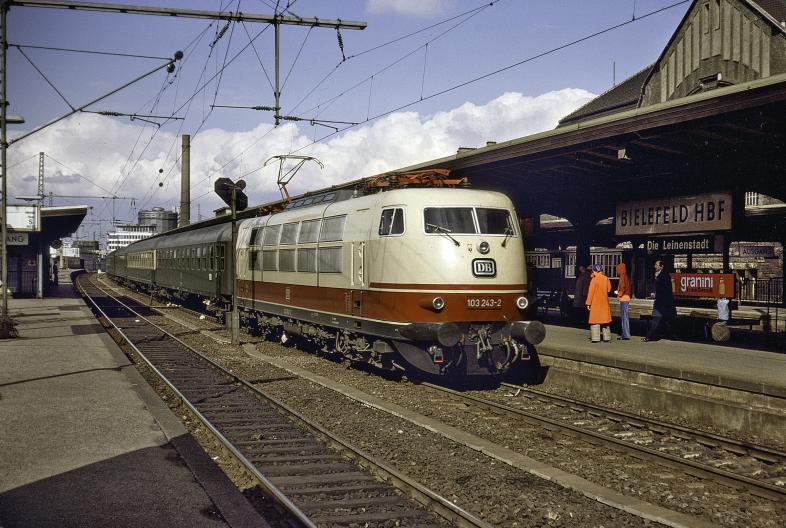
x=430, y=279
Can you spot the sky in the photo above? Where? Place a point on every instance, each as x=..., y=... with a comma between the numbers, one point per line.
x=424, y=78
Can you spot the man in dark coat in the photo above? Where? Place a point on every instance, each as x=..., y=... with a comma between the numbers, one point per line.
x=583, y=278
x=664, y=310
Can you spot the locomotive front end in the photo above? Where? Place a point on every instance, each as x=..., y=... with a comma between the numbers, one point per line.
x=462, y=285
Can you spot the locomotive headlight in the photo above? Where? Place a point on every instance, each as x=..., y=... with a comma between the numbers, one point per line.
x=438, y=303
x=484, y=247
x=522, y=303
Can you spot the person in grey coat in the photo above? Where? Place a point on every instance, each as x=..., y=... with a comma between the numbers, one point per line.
x=583, y=278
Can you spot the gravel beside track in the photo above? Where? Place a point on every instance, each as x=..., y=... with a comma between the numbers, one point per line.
x=494, y=491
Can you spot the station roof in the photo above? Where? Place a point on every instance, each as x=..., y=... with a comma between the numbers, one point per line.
x=62, y=221
x=730, y=138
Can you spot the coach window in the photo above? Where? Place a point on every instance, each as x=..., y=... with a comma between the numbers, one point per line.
x=289, y=233
x=391, y=222
x=332, y=229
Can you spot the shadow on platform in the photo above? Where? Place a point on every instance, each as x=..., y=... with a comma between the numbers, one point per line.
x=140, y=488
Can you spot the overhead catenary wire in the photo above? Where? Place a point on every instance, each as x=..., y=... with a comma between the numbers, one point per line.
x=383, y=45
x=400, y=59
x=90, y=52
x=178, y=109
x=50, y=83
x=503, y=69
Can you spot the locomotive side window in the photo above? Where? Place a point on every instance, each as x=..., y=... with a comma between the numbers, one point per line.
x=269, y=260
x=332, y=229
x=391, y=222
x=270, y=236
x=286, y=260
x=254, y=239
x=289, y=233
x=494, y=221
x=253, y=259
x=309, y=231
x=330, y=260
x=307, y=260
x=449, y=219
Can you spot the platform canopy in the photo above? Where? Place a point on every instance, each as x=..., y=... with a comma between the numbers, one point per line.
x=728, y=139
x=62, y=221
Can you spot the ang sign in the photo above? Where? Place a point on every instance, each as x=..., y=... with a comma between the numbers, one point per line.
x=702, y=284
x=17, y=239
x=682, y=214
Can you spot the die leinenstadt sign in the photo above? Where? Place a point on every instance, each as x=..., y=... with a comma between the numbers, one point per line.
x=679, y=214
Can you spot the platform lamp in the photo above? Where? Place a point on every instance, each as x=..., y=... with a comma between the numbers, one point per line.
x=233, y=195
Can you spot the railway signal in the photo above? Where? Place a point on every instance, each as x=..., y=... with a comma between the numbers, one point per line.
x=233, y=195
x=226, y=189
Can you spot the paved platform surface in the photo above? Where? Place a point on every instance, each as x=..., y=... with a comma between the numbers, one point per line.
x=85, y=441
x=721, y=365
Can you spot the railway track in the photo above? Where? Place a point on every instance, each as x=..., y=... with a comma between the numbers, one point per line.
x=756, y=469
x=319, y=479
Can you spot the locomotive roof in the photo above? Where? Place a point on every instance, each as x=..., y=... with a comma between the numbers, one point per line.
x=389, y=181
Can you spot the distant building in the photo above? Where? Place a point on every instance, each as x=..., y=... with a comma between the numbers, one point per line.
x=128, y=234
x=158, y=216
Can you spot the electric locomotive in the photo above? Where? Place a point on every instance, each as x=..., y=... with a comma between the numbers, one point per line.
x=429, y=279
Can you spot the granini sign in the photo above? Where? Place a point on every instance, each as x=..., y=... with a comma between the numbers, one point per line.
x=712, y=285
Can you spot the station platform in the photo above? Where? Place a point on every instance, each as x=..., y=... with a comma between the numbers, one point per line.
x=726, y=366
x=85, y=441
x=720, y=386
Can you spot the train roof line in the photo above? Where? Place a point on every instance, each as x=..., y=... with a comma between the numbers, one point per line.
x=426, y=178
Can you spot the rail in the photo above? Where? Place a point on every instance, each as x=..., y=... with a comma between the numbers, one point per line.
x=231, y=427
x=756, y=486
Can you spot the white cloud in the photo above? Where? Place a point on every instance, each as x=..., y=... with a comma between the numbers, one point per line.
x=422, y=8
x=96, y=149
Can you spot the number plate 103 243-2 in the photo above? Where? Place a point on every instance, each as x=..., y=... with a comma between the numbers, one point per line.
x=484, y=303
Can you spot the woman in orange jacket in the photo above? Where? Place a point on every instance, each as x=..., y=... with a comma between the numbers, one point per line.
x=624, y=293
x=598, y=305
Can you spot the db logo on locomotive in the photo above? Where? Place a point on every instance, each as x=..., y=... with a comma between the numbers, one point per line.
x=484, y=268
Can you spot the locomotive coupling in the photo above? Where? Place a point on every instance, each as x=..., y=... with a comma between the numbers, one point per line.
x=446, y=334
x=533, y=332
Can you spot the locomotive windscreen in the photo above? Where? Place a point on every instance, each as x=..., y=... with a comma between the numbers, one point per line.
x=461, y=220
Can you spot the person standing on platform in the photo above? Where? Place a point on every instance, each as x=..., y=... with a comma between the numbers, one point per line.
x=624, y=293
x=580, y=295
x=598, y=305
x=664, y=310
